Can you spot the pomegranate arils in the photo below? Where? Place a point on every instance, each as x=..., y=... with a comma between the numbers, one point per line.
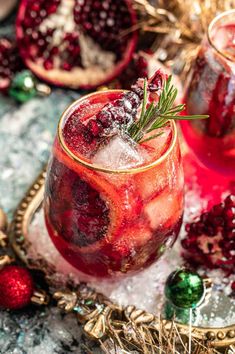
x=104, y=22
x=10, y=62
x=211, y=240
x=93, y=39
x=46, y=38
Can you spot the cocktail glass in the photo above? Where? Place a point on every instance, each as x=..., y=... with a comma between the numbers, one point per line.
x=211, y=90
x=117, y=211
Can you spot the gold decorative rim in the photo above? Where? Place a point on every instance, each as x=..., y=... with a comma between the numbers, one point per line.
x=216, y=337
x=209, y=30
x=98, y=167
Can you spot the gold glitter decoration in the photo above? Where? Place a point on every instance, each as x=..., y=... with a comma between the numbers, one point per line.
x=178, y=27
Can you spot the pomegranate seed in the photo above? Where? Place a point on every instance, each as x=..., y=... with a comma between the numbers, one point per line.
x=230, y=212
x=48, y=64
x=54, y=51
x=35, y=7
x=51, y=9
x=66, y=66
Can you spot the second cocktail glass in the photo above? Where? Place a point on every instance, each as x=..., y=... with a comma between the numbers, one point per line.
x=211, y=90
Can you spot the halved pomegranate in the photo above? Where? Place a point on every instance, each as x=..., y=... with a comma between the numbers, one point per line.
x=76, y=43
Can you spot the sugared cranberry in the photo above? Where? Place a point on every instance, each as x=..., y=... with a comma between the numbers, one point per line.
x=105, y=118
x=94, y=127
x=114, y=116
x=133, y=99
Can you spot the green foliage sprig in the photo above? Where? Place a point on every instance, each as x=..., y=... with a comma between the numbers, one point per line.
x=157, y=116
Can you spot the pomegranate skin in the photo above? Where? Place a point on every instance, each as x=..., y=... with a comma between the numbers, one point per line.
x=75, y=76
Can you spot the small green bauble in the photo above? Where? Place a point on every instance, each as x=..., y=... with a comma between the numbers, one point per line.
x=179, y=314
x=184, y=289
x=23, y=86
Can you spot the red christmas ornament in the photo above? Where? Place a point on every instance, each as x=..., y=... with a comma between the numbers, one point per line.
x=16, y=287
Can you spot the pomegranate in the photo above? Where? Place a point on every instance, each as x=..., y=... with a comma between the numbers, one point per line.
x=76, y=43
x=210, y=240
x=10, y=62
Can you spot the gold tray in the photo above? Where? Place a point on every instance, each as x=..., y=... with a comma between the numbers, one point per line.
x=112, y=318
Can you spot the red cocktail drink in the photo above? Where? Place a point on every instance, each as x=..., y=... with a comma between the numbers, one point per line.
x=212, y=91
x=112, y=206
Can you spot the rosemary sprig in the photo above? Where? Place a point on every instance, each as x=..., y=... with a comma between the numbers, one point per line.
x=157, y=116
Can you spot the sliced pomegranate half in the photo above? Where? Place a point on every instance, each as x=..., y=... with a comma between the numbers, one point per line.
x=76, y=43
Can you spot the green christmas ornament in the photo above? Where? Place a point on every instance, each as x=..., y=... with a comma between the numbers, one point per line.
x=179, y=314
x=24, y=86
x=184, y=289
